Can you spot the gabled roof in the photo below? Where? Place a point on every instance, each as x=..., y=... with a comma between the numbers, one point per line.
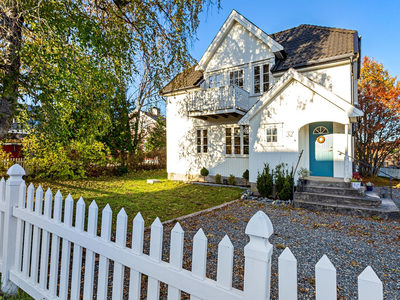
x=309, y=44
x=233, y=18
x=188, y=79
x=285, y=79
x=304, y=45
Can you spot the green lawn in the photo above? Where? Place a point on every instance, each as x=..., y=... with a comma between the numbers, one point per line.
x=382, y=181
x=166, y=200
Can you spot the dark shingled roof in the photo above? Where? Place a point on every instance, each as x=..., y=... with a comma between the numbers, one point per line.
x=308, y=44
x=185, y=80
x=304, y=45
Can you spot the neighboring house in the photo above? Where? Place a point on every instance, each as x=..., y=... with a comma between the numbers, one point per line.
x=255, y=98
x=147, y=121
x=13, y=142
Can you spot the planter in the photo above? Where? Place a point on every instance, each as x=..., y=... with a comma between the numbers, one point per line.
x=356, y=185
x=370, y=188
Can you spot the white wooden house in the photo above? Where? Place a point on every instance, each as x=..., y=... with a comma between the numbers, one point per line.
x=256, y=98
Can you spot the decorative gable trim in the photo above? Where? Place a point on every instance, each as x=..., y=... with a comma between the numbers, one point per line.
x=286, y=78
x=230, y=21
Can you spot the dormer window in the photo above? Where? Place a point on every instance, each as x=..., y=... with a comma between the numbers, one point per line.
x=214, y=81
x=261, y=79
x=236, y=78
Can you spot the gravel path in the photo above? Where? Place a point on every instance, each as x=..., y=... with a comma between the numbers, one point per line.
x=351, y=243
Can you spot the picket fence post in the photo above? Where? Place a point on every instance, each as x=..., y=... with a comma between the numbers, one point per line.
x=257, y=253
x=10, y=224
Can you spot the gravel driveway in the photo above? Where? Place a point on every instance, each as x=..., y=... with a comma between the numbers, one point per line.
x=351, y=243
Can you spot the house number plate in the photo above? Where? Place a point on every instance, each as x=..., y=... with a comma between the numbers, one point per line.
x=289, y=133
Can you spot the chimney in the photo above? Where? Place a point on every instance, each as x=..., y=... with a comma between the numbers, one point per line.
x=155, y=111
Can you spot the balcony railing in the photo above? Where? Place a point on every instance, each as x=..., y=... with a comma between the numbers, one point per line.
x=226, y=99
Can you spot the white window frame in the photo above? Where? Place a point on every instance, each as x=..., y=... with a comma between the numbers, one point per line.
x=214, y=81
x=279, y=134
x=232, y=80
x=242, y=140
x=261, y=74
x=203, y=146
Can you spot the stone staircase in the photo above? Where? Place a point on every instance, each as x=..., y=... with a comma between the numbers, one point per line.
x=333, y=194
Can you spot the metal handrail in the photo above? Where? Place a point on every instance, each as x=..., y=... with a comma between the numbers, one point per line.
x=294, y=173
x=361, y=162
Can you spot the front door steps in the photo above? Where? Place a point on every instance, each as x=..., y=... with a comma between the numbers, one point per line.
x=333, y=194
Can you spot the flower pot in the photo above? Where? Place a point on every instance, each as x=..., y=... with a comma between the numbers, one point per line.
x=370, y=188
x=356, y=185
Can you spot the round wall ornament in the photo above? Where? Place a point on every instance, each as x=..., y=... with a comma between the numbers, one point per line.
x=321, y=139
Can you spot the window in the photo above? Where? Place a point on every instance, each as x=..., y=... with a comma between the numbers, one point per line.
x=202, y=141
x=214, y=81
x=261, y=79
x=320, y=129
x=237, y=140
x=272, y=135
x=236, y=78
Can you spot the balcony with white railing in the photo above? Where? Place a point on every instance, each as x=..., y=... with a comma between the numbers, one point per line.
x=222, y=101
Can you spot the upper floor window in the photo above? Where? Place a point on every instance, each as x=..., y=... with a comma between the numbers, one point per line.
x=202, y=140
x=237, y=140
x=214, y=81
x=261, y=79
x=236, y=78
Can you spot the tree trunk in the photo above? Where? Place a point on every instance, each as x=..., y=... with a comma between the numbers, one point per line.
x=11, y=32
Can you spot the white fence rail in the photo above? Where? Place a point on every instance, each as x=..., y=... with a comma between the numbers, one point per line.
x=37, y=237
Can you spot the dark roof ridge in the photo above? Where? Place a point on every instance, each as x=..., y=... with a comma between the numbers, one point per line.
x=316, y=26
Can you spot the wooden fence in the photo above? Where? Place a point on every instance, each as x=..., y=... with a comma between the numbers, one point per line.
x=39, y=244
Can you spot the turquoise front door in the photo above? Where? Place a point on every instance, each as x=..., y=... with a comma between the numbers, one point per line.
x=321, y=149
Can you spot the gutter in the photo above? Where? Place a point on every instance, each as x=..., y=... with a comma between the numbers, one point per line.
x=313, y=63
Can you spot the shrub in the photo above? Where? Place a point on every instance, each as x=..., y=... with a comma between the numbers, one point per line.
x=121, y=170
x=286, y=192
x=246, y=176
x=204, y=172
x=218, y=178
x=53, y=159
x=231, y=180
x=280, y=177
x=265, y=182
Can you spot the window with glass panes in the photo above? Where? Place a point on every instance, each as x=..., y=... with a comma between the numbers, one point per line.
x=237, y=140
x=214, y=81
x=261, y=79
x=202, y=140
x=272, y=134
x=236, y=78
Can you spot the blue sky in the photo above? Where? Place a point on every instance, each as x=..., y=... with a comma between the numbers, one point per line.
x=378, y=22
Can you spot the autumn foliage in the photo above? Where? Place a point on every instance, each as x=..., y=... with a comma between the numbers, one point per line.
x=378, y=131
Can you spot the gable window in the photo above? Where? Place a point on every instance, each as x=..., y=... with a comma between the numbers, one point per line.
x=237, y=140
x=261, y=79
x=214, y=81
x=236, y=78
x=202, y=140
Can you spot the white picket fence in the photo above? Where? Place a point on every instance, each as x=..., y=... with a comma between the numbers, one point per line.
x=36, y=238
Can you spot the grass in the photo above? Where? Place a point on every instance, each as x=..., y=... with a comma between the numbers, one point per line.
x=166, y=200
x=382, y=181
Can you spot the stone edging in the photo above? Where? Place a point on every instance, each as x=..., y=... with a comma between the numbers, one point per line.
x=200, y=212
x=223, y=185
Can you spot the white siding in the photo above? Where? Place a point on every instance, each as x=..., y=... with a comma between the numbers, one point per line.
x=181, y=148
x=295, y=106
x=237, y=48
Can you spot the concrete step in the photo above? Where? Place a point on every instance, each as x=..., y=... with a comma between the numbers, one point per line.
x=329, y=182
x=318, y=198
x=388, y=210
x=331, y=190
